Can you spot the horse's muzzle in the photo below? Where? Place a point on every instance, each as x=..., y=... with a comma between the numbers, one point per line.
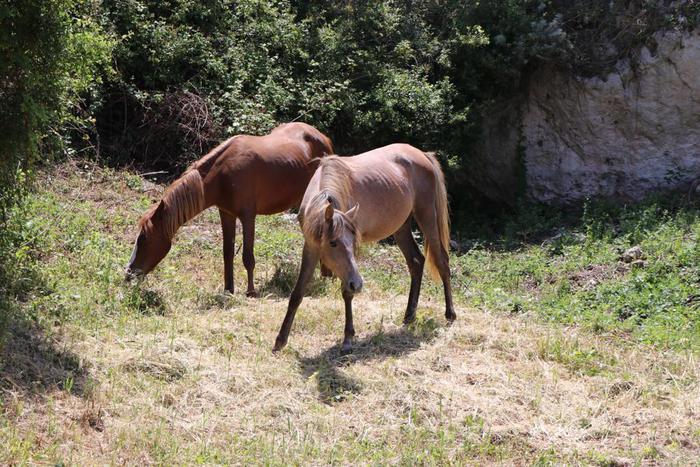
x=132, y=274
x=354, y=285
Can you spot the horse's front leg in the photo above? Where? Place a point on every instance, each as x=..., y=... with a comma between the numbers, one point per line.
x=309, y=258
x=349, y=328
x=248, y=223
x=228, y=227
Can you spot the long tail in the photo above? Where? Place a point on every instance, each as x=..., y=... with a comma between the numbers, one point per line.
x=442, y=217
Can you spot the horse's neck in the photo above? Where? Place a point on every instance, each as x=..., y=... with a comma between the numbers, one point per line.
x=174, y=221
x=183, y=201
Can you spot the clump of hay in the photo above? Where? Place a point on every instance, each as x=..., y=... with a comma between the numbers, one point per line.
x=159, y=366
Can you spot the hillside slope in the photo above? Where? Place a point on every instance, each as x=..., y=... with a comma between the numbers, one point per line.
x=174, y=371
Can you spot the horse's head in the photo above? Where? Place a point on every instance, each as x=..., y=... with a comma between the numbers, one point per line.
x=151, y=245
x=337, y=246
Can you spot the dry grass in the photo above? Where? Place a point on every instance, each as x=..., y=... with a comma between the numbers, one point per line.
x=197, y=382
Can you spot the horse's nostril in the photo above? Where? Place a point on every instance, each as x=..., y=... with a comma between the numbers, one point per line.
x=355, y=286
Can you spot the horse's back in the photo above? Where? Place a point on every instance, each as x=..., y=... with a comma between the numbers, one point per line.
x=386, y=183
x=319, y=143
x=267, y=173
x=402, y=160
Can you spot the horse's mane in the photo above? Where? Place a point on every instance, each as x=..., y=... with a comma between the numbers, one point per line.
x=335, y=188
x=204, y=163
x=184, y=198
x=335, y=179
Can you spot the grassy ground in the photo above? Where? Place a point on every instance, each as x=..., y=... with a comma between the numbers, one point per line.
x=562, y=352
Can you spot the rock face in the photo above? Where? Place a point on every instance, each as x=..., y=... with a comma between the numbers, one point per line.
x=634, y=131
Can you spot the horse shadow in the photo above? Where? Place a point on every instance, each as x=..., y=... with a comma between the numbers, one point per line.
x=32, y=363
x=281, y=283
x=335, y=385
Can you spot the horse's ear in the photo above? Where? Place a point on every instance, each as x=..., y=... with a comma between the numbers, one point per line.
x=352, y=212
x=329, y=212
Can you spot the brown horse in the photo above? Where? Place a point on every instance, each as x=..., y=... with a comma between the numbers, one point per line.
x=243, y=177
x=367, y=198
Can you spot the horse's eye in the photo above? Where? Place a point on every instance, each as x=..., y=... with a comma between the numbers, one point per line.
x=333, y=243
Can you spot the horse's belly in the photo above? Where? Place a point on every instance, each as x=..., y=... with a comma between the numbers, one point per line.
x=278, y=201
x=281, y=190
x=387, y=219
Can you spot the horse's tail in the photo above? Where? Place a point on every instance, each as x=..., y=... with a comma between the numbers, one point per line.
x=442, y=218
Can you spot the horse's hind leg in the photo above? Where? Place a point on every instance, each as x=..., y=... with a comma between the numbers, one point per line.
x=248, y=222
x=228, y=227
x=427, y=220
x=414, y=261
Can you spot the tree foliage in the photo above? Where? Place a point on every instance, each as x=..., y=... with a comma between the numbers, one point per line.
x=51, y=53
x=158, y=82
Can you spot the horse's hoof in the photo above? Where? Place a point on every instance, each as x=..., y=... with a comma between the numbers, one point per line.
x=450, y=316
x=409, y=319
x=251, y=294
x=346, y=348
x=279, y=344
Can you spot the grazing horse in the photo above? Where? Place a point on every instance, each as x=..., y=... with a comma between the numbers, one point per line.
x=243, y=177
x=366, y=198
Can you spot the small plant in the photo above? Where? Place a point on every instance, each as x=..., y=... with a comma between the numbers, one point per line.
x=425, y=326
x=575, y=357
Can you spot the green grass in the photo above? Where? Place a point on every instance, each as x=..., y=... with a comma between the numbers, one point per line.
x=570, y=271
x=551, y=326
x=566, y=270
x=574, y=356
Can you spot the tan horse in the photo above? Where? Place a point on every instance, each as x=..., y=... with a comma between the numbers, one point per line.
x=366, y=198
x=243, y=177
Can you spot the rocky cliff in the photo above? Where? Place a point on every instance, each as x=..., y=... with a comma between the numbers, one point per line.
x=634, y=131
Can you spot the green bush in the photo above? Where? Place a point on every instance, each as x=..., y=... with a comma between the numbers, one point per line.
x=50, y=54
